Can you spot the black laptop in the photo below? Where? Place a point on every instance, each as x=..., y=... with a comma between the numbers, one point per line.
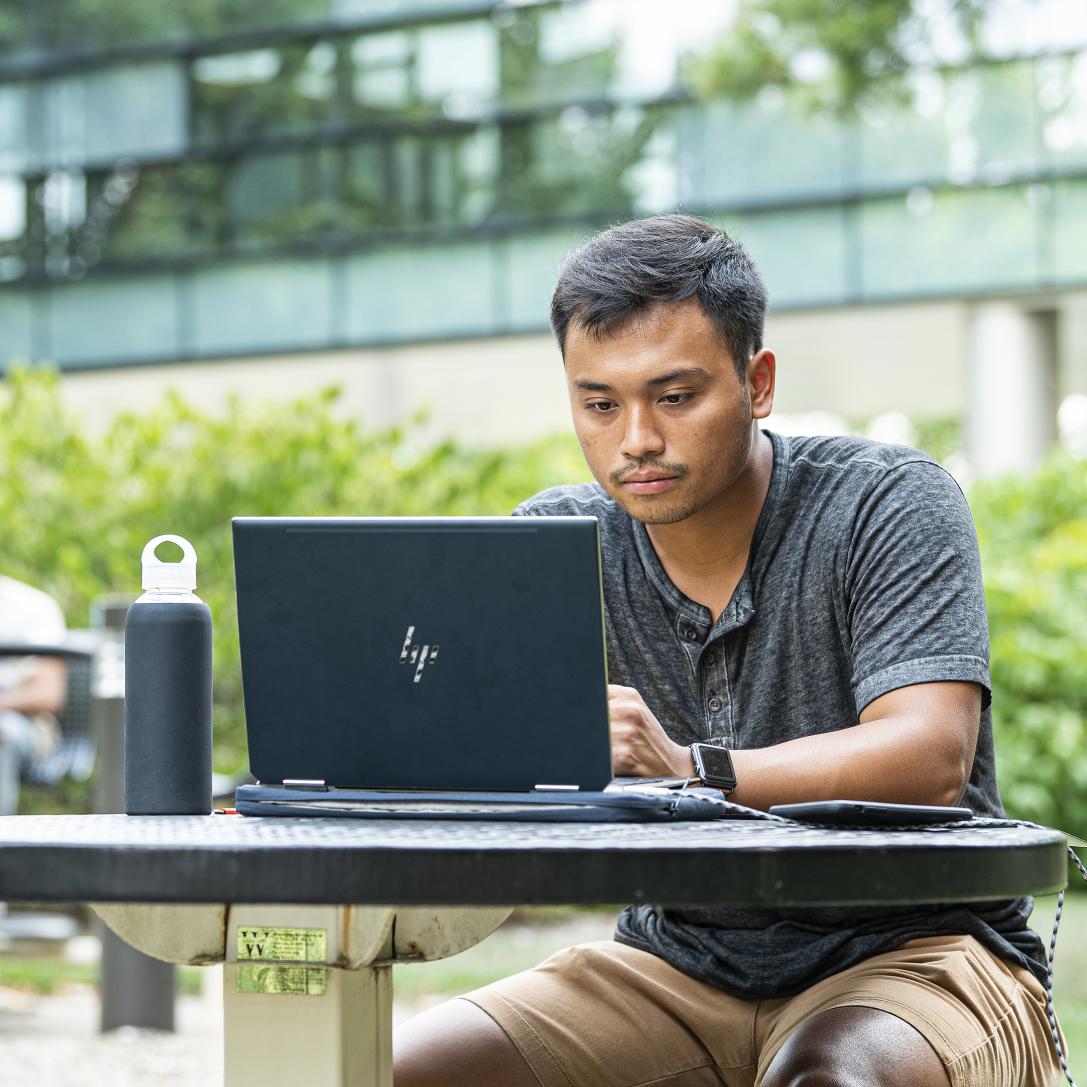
x=423, y=653
x=428, y=666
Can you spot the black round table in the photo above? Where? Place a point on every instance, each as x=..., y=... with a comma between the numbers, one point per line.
x=308, y=914
x=231, y=858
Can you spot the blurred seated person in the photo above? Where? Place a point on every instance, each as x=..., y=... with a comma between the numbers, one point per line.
x=32, y=689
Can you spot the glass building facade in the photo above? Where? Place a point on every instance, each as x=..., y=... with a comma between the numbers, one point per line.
x=200, y=180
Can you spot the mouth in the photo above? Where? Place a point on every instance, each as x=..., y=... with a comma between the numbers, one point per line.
x=649, y=484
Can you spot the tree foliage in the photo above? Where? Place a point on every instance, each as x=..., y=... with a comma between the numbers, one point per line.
x=839, y=52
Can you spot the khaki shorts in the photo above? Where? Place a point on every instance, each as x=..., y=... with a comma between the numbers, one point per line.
x=606, y=1014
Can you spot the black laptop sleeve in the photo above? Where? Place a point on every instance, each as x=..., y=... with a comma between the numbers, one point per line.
x=619, y=806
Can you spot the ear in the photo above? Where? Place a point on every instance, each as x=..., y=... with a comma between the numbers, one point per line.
x=761, y=376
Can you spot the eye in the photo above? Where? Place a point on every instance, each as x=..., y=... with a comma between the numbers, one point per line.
x=599, y=406
x=676, y=398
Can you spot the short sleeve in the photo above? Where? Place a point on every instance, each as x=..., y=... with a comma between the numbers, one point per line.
x=915, y=599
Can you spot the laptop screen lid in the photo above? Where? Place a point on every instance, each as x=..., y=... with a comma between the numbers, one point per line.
x=423, y=653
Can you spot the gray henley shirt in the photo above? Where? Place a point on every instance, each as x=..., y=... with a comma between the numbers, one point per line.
x=863, y=577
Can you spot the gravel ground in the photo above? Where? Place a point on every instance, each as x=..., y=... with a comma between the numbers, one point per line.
x=54, y=1042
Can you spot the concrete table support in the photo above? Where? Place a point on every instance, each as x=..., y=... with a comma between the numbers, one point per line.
x=307, y=989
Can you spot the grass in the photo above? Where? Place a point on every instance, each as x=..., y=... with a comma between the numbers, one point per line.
x=45, y=976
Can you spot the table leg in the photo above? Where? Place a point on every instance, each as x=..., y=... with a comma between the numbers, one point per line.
x=307, y=989
x=302, y=1002
x=338, y=1036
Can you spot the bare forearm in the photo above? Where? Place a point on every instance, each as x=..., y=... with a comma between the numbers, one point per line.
x=42, y=692
x=895, y=760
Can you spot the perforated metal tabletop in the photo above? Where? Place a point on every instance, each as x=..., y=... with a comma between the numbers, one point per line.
x=229, y=858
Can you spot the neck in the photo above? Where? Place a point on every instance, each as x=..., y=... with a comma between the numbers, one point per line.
x=717, y=538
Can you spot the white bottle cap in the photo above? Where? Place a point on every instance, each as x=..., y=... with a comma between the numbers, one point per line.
x=169, y=575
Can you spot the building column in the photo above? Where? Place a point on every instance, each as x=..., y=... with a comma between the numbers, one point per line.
x=1011, y=407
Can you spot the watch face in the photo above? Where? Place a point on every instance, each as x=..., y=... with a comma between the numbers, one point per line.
x=716, y=764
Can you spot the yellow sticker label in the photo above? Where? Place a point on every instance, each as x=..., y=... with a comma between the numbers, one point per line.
x=284, y=980
x=283, y=944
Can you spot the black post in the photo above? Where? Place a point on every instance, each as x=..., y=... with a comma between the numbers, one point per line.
x=137, y=991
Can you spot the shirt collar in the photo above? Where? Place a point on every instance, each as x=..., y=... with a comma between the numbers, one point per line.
x=688, y=614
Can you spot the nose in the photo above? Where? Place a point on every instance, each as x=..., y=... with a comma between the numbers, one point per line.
x=642, y=437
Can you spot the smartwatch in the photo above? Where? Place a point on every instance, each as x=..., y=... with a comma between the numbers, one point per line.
x=713, y=767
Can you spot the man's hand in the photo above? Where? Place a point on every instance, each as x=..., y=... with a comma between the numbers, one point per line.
x=639, y=746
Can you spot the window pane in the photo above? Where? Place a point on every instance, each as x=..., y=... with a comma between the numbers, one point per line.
x=258, y=306
x=152, y=211
x=368, y=197
x=281, y=197
x=775, y=238
x=931, y=243
x=958, y=126
x=766, y=149
x=1062, y=99
x=461, y=171
x=136, y=109
x=383, y=73
x=260, y=91
x=576, y=163
x=556, y=55
x=457, y=69
x=1069, y=236
x=16, y=152
x=421, y=291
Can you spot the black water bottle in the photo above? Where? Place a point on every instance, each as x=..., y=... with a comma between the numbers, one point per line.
x=168, y=690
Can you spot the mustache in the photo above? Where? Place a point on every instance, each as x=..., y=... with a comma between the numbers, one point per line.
x=667, y=469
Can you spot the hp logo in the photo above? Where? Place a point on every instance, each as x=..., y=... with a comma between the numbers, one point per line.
x=412, y=654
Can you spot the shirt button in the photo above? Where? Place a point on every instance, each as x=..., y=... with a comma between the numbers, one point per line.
x=715, y=704
x=691, y=634
x=710, y=659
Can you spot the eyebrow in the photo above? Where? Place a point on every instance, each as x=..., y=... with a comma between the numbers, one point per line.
x=653, y=382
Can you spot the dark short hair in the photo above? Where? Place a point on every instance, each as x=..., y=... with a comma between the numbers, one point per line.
x=607, y=281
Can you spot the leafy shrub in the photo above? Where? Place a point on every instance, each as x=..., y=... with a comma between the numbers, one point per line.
x=1033, y=533
x=76, y=510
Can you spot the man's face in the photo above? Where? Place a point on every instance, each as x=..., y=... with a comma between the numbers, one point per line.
x=663, y=418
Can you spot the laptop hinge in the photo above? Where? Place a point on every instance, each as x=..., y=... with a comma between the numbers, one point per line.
x=556, y=788
x=318, y=786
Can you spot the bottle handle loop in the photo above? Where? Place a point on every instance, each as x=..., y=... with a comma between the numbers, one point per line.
x=158, y=574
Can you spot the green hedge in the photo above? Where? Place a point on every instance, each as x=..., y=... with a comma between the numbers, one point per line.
x=1033, y=533
x=77, y=508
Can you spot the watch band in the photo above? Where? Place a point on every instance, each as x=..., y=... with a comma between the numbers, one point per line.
x=714, y=768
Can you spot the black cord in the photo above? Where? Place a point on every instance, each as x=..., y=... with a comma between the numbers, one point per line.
x=1051, y=1013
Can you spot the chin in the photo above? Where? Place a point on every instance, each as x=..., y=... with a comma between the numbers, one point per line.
x=654, y=513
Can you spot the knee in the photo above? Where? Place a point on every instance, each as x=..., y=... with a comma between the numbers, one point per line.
x=456, y=1044
x=855, y=1047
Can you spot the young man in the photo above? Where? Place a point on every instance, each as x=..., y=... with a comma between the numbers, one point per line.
x=815, y=606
